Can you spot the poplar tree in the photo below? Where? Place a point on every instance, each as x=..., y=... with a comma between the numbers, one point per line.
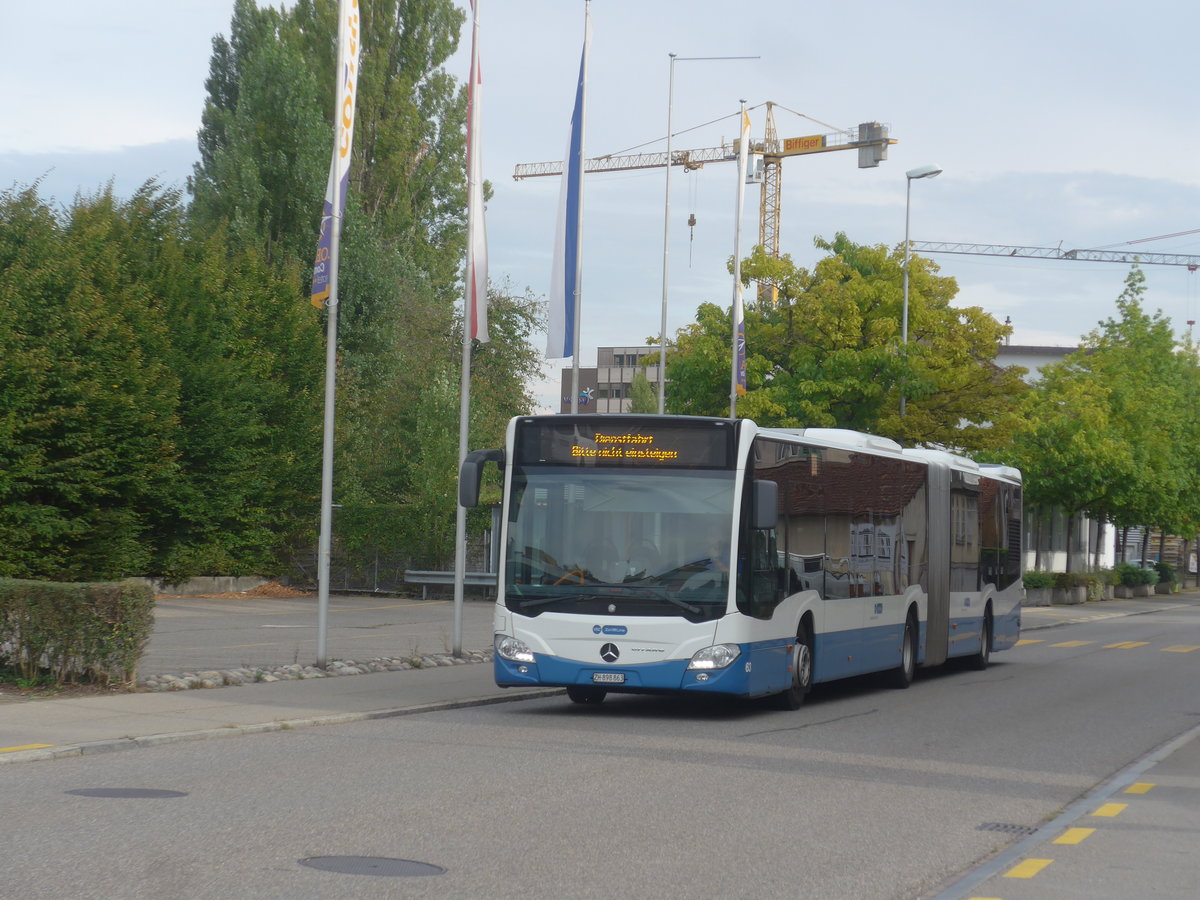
x=265, y=149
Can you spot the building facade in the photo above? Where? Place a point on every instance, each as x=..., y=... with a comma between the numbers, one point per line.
x=605, y=387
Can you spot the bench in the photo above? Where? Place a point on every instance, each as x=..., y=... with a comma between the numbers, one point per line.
x=425, y=578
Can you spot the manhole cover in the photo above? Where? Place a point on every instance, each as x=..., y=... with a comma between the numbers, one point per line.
x=1006, y=828
x=127, y=793
x=372, y=865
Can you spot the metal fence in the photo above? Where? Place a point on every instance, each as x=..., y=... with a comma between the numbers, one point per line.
x=381, y=572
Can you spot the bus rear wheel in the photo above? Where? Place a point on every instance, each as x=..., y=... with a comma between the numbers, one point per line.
x=802, y=673
x=580, y=694
x=980, y=660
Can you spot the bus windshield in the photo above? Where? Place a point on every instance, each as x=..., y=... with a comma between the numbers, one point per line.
x=619, y=541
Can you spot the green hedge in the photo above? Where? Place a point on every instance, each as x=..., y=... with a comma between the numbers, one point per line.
x=70, y=633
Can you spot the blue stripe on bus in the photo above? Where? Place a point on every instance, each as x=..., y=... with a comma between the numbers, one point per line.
x=670, y=675
x=762, y=668
x=857, y=651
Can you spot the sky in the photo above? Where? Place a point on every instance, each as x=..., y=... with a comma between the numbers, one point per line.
x=1056, y=123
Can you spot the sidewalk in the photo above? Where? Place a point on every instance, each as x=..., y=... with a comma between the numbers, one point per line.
x=1036, y=617
x=49, y=729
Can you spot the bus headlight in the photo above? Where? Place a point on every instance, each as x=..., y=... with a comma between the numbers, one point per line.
x=510, y=648
x=718, y=656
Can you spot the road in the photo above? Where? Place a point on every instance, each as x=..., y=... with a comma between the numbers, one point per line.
x=865, y=792
x=206, y=633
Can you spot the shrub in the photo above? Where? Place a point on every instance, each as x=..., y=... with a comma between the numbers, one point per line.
x=1166, y=574
x=74, y=632
x=1036, y=579
x=1130, y=575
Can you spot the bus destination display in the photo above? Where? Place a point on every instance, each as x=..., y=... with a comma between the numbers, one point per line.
x=638, y=445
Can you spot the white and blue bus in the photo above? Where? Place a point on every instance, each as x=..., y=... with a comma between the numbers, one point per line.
x=673, y=554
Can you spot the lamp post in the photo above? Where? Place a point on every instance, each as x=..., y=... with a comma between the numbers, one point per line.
x=662, y=332
x=930, y=171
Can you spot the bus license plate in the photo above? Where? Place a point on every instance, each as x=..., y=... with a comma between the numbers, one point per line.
x=608, y=677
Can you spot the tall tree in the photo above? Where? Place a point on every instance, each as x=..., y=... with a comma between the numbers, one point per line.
x=264, y=158
x=87, y=402
x=829, y=354
x=265, y=175
x=409, y=139
x=1152, y=405
x=1111, y=431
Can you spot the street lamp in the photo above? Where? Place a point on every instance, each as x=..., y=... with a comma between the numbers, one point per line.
x=662, y=332
x=930, y=171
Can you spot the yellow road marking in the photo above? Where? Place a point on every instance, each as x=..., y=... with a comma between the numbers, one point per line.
x=1139, y=787
x=1180, y=648
x=1028, y=868
x=1023, y=641
x=1126, y=645
x=1073, y=644
x=1073, y=836
x=25, y=747
x=1109, y=810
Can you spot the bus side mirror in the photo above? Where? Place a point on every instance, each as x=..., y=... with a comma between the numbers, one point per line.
x=470, y=473
x=765, y=509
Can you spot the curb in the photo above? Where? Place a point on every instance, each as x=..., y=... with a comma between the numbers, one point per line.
x=116, y=744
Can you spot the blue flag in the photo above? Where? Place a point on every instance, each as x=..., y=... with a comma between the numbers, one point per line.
x=565, y=275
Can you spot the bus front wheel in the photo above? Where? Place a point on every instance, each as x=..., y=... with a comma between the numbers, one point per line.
x=579, y=694
x=802, y=673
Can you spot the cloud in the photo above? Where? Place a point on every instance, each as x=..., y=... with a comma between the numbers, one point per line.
x=60, y=176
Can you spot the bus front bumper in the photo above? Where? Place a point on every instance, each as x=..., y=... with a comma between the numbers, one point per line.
x=649, y=678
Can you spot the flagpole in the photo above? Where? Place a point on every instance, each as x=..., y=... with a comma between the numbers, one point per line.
x=738, y=376
x=460, y=517
x=662, y=331
x=474, y=320
x=347, y=74
x=582, y=157
x=325, y=541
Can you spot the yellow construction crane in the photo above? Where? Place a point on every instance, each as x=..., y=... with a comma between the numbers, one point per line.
x=870, y=139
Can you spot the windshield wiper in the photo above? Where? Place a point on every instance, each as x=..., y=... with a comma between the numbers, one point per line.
x=653, y=593
x=543, y=601
x=660, y=594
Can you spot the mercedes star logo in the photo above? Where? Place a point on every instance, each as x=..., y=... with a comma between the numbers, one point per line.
x=609, y=653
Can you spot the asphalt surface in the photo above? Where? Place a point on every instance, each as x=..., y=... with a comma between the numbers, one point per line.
x=1131, y=835
x=57, y=727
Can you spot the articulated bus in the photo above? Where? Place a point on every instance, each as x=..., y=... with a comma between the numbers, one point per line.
x=676, y=554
